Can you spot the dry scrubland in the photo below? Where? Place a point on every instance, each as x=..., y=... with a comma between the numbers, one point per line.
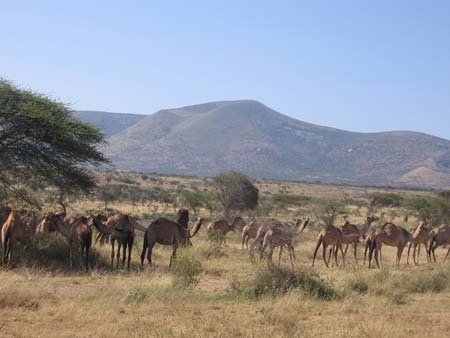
x=219, y=293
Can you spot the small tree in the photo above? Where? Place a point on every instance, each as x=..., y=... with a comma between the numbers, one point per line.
x=434, y=211
x=327, y=210
x=235, y=191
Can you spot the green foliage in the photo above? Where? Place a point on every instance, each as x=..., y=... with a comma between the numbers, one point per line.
x=385, y=199
x=432, y=210
x=41, y=141
x=278, y=281
x=197, y=199
x=186, y=269
x=235, y=191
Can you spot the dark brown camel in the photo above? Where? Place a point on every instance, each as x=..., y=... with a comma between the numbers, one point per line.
x=391, y=235
x=121, y=229
x=77, y=231
x=13, y=232
x=166, y=232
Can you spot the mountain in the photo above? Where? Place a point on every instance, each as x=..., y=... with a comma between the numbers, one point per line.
x=246, y=135
x=109, y=123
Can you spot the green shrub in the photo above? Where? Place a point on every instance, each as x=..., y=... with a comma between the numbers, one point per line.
x=357, y=283
x=385, y=199
x=186, y=269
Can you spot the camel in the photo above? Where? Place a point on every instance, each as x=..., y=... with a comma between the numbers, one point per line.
x=391, y=235
x=222, y=227
x=77, y=231
x=166, y=232
x=13, y=231
x=419, y=236
x=330, y=235
x=439, y=237
x=251, y=229
x=4, y=214
x=111, y=220
x=280, y=237
x=352, y=234
x=119, y=228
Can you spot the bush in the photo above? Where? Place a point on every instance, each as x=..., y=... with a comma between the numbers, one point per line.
x=358, y=284
x=186, y=269
x=278, y=281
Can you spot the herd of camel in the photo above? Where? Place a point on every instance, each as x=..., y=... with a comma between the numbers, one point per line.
x=21, y=227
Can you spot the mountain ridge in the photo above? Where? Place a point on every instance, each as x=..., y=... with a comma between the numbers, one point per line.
x=246, y=135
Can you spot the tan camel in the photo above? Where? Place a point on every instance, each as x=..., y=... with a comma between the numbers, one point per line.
x=77, y=231
x=119, y=228
x=280, y=237
x=222, y=227
x=439, y=237
x=352, y=234
x=251, y=229
x=262, y=226
x=390, y=235
x=419, y=236
x=166, y=232
x=330, y=236
x=13, y=232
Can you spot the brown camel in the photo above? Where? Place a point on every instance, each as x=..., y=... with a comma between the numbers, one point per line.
x=391, y=235
x=13, y=231
x=251, y=229
x=439, y=237
x=166, y=232
x=111, y=220
x=4, y=214
x=419, y=236
x=77, y=231
x=330, y=236
x=280, y=237
x=119, y=228
x=221, y=226
x=352, y=234
x=261, y=227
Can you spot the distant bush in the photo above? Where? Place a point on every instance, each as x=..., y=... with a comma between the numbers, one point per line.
x=429, y=209
x=278, y=281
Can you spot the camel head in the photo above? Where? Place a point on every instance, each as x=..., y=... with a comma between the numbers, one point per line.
x=301, y=224
x=236, y=221
x=371, y=219
x=50, y=222
x=196, y=227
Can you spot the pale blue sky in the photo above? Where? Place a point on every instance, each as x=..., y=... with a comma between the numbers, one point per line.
x=356, y=65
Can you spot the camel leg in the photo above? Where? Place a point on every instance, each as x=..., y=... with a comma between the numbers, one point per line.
x=130, y=248
x=70, y=257
x=346, y=248
x=291, y=255
x=324, y=253
x=446, y=255
x=87, y=247
x=244, y=237
x=279, y=255
x=269, y=259
x=343, y=256
x=112, y=255
x=124, y=253
x=399, y=254
x=174, y=254
x=414, y=254
x=149, y=253
x=365, y=251
x=355, y=252
x=336, y=254
x=119, y=245
x=416, y=260
x=329, y=255
x=5, y=251
x=315, y=250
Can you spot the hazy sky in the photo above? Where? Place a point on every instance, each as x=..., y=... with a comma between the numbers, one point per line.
x=357, y=65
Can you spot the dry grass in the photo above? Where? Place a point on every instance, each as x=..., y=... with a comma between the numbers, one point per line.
x=37, y=300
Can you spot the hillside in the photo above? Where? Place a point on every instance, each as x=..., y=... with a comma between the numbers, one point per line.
x=248, y=136
x=110, y=123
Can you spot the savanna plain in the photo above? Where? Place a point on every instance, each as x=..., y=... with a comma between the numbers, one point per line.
x=217, y=290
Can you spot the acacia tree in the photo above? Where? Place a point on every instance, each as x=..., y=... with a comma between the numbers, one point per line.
x=40, y=141
x=235, y=191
